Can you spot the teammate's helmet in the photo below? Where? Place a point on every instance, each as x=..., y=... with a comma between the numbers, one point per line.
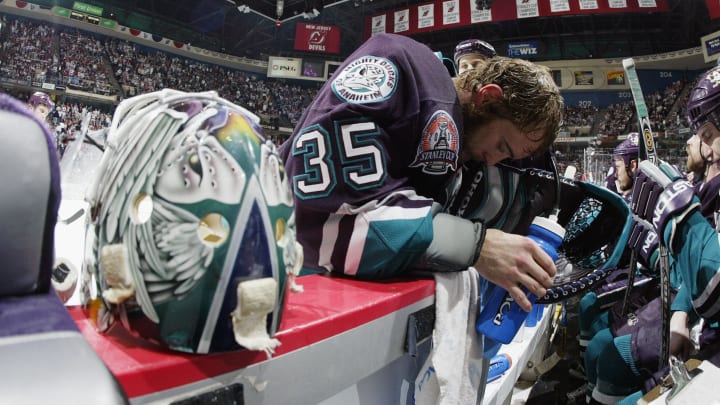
x=628, y=149
x=474, y=47
x=704, y=100
x=40, y=98
x=192, y=224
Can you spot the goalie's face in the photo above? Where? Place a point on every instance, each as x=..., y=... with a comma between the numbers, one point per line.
x=500, y=139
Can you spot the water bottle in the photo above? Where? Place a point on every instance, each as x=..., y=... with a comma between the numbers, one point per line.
x=547, y=233
x=499, y=364
x=534, y=316
x=502, y=317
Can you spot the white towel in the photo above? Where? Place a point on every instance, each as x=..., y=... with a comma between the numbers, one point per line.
x=453, y=372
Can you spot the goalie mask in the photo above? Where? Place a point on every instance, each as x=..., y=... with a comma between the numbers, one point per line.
x=192, y=227
x=704, y=101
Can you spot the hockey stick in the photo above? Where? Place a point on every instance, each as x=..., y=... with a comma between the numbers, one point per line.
x=91, y=141
x=647, y=151
x=71, y=154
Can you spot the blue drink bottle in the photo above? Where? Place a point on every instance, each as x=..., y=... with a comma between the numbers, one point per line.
x=502, y=317
x=499, y=364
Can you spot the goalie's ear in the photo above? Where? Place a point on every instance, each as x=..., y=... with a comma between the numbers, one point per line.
x=486, y=93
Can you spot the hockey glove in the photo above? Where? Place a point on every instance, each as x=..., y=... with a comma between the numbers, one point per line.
x=644, y=241
x=664, y=198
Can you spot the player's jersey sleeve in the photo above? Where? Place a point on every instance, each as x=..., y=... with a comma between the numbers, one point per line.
x=697, y=263
x=683, y=302
x=376, y=148
x=698, y=259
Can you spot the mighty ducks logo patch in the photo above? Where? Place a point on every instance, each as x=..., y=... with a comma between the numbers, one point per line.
x=366, y=80
x=438, y=149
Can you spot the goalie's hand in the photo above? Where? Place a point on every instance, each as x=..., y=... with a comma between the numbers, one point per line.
x=644, y=241
x=510, y=260
x=664, y=198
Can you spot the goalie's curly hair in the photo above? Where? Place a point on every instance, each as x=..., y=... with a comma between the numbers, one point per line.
x=531, y=99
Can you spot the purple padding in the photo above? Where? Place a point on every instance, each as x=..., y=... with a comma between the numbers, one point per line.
x=34, y=313
x=9, y=103
x=614, y=286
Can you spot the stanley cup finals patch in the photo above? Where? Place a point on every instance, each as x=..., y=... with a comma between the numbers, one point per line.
x=367, y=79
x=439, y=146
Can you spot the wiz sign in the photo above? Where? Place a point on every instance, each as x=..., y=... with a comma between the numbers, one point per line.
x=523, y=49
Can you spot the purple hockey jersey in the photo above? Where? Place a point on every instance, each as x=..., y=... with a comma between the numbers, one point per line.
x=376, y=148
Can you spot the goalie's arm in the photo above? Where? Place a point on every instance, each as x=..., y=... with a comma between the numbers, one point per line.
x=505, y=259
x=455, y=246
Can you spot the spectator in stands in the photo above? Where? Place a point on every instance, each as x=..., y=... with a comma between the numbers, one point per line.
x=616, y=118
x=26, y=56
x=374, y=152
x=83, y=66
x=578, y=120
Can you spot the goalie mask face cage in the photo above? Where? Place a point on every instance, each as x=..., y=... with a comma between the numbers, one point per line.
x=190, y=204
x=585, y=257
x=597, y=221
x=704, y=101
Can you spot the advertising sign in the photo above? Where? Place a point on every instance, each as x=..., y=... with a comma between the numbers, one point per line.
x=284, y=67
x=317, y=38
